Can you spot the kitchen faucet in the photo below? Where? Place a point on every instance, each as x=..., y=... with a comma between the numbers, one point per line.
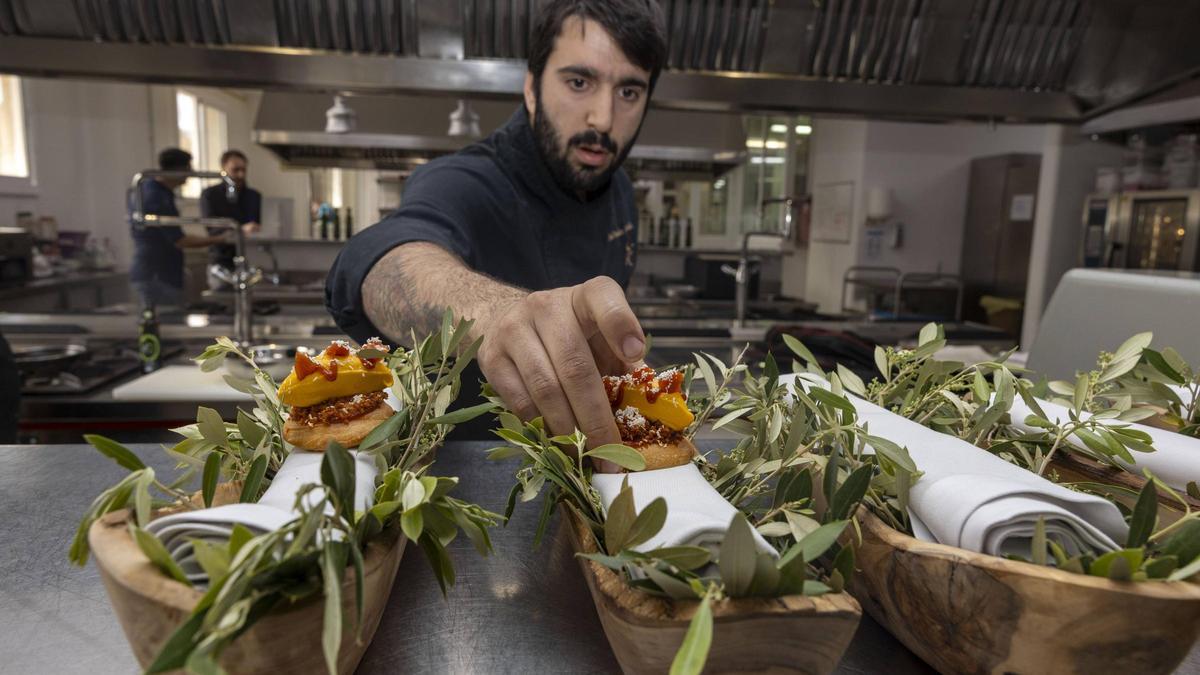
x=243, y=277
x=741, y=274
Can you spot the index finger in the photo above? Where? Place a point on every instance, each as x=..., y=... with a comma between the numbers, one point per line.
x=600, y=307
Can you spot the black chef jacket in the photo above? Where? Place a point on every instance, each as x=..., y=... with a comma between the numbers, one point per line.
x=214, y=203
x=496, y=205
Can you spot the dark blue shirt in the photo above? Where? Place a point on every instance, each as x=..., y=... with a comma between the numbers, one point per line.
x=246, y=208
x=155, y=255
x=496, y=206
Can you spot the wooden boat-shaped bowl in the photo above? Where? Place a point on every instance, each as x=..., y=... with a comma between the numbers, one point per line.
x=1073, y=468
x=964, y=612
x=750, y=635
x=151, y=605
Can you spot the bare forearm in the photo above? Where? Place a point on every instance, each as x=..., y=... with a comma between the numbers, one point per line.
x=410, y=288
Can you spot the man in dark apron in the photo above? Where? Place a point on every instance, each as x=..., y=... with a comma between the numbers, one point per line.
x=531, y=232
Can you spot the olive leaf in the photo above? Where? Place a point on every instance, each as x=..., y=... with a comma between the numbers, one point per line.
x=463, y=414
x=737, y=556
x=115, y=451
x=647, y=523
x=1144, y=518
x=337, y=474
x=154, y=550
x=693, y=653
x=252, y=484
x=619, y=522
x=333, y=569
x=683, y=557
x=212, y=472
x=619, y=454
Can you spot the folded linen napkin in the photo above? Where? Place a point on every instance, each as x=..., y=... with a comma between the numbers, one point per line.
x=971, y=499
x=697, y=515
x=1175, y=460
x=275, y=509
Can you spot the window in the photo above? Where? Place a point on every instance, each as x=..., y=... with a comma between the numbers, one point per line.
x=14, y=161
x=204, y=132
x=778, y=149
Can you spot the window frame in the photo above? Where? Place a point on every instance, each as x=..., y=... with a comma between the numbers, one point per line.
x=23, y=186
x=200, y=159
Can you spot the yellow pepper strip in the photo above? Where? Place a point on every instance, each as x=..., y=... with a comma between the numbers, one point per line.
x=352, y=378
x=670, y=409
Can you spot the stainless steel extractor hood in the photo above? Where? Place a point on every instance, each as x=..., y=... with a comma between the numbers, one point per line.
x=1001, y=60
x=400, y=132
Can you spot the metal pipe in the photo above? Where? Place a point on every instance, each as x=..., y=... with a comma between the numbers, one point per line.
x=243, y=278
x=741, y=275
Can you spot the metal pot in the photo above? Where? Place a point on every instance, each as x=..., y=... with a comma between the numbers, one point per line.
x=47, y=361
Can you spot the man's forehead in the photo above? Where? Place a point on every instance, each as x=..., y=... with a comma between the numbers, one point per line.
x=583, y=42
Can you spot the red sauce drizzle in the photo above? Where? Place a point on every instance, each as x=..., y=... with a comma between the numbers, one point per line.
x=305, y=366
x=336, y=350
x=649, y=382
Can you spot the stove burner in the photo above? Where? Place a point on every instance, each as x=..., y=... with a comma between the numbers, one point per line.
x=104, y=363
x=65, y=381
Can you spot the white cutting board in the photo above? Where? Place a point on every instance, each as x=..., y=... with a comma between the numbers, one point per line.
x=179, y=383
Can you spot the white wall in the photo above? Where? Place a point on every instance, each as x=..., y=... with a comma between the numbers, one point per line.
x=1068, y=176
x=87, y=139
x=926, y=168
x=838, y=154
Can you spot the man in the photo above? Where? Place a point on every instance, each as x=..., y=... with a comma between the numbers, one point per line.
x=531, y=232
x=157, y=269
x=246, y=209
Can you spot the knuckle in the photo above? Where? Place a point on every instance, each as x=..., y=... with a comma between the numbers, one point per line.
x=542, y=387
x=600, y=284
x=539, y=300
x=524, y=407
x=577, y=368
x=594, y=429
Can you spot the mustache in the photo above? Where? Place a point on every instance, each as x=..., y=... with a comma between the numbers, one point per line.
x=593, y=137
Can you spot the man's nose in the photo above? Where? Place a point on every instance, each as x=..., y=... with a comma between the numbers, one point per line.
x=600, y=114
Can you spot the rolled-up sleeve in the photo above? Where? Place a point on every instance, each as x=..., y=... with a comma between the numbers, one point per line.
x=443, y=203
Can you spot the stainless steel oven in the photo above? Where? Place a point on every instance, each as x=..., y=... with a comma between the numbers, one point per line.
x=1157, y=230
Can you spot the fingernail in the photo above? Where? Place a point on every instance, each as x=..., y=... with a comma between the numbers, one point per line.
x=633, y=348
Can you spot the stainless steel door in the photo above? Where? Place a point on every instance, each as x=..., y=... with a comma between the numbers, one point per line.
x=1160, y=230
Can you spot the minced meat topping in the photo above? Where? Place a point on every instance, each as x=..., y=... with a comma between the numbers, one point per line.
x=638, y=431
x=337, y=410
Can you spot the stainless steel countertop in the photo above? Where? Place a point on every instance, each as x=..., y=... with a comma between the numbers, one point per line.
x=521, y=610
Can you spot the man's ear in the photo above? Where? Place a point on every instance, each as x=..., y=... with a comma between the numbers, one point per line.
x=530, y=95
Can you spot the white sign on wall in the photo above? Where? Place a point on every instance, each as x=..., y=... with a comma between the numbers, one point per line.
x=833, y=211
x=1021, y=209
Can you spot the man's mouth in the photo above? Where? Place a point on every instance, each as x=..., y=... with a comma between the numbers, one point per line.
x=592, y=155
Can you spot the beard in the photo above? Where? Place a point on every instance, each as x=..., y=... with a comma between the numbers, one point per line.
x=575, y=179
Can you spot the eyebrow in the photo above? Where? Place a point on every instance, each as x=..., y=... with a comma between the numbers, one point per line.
x=592, y=74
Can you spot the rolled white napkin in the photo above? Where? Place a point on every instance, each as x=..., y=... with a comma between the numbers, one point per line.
x=971, y=499
x=697, y=515
x=1184, y=394
x=1175, y=461
x=302, y=467
x=275, y=509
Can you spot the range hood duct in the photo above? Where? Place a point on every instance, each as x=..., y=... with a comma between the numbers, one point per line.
x=401, y=132
x=1034, y=60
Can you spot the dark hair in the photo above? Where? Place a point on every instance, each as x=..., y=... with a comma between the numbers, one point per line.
x=635, y=25
x=174, y=159
x=230, y=154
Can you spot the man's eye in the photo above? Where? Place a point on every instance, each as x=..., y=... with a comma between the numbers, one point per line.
x=577, y=83
x=630, y=93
